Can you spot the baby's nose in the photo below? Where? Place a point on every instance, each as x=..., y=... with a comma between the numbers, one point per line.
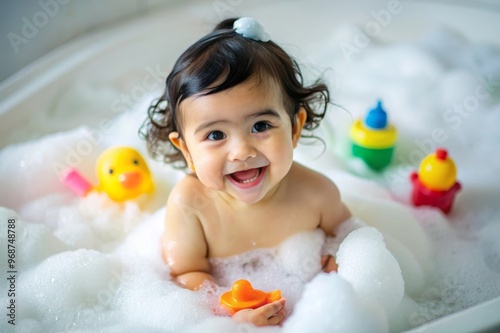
x=242, y=150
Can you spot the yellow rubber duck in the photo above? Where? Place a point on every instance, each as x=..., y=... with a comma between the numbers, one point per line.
x=123, y=174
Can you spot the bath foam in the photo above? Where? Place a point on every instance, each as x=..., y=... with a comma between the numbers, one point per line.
x=370, y=268
x=151, y=300
x=307, y=247
x=227, y=325
x=68, y=290
x=459, y=264
x=48, y=292
x=92, y=222
x=142, y=246
x=38, y=242
x=404, y=236
x=34, y=167
x=329, y=304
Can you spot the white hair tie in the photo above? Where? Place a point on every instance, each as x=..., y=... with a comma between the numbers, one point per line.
x=250, y=28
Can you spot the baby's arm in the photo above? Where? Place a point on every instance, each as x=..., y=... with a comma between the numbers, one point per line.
x=184, y=246
x=333, y=213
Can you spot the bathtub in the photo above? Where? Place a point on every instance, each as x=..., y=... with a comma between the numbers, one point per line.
x=129, y=60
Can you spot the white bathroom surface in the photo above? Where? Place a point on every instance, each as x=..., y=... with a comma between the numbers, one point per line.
x=89, y=264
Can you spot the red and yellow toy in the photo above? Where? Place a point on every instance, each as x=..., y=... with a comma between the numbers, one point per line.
x=243, y=296
x=435, y=184
x=122, y=172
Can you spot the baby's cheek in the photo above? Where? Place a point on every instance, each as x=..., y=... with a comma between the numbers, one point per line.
x=209, y=171
x=282, y=158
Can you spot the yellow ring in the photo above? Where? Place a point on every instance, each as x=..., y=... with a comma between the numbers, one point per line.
x=369, y=138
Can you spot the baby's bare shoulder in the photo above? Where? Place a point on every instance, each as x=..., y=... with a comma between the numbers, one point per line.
x=322, y=194
x=187, y=191
x=309, y=180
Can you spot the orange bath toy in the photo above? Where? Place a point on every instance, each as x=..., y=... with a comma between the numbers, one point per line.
x=243, y=296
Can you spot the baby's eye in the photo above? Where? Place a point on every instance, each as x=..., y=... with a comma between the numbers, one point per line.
x=216, y=135
x=260, y=126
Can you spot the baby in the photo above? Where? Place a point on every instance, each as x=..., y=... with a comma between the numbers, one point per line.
x=233, y=112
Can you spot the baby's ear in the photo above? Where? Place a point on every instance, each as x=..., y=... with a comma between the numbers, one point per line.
x=176, y=140
x=300, y=120
x=180, y=144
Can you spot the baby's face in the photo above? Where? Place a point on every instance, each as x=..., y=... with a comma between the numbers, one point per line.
x=240, y=140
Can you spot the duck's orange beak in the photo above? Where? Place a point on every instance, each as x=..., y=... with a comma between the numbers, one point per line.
x=130, y=180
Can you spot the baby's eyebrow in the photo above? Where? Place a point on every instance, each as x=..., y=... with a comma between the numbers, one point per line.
x=209, y=124
x=266, y=112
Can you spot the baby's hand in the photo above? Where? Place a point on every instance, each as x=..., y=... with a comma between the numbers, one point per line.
x=267, y=315
x=328, y=264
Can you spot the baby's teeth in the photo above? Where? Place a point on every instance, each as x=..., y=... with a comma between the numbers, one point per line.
x=251, y=179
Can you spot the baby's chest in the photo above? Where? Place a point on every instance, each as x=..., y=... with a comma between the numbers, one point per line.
x=236, y=233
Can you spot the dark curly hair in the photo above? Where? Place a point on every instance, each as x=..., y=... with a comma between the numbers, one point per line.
x=221, y=60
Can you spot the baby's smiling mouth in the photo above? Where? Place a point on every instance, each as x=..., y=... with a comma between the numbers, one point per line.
x=246, y=176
